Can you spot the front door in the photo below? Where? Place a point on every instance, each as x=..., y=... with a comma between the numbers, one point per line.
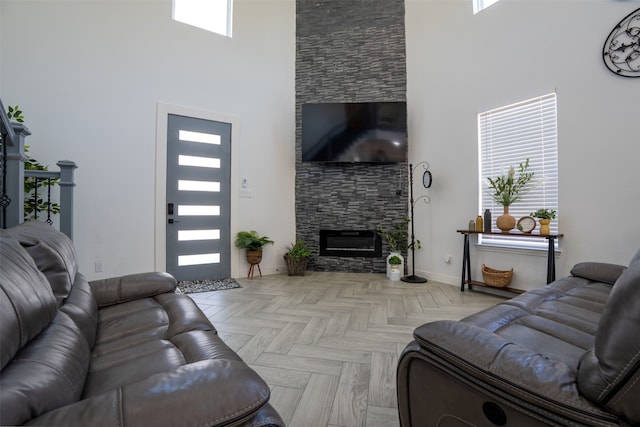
x=198, y=198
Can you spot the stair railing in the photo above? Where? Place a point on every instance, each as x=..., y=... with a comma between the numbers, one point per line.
x=14, y=175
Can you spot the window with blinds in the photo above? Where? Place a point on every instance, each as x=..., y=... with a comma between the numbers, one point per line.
x=507, y=137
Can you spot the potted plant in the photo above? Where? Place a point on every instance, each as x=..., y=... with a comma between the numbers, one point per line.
x=395, y=262
x=296, y=258
x=544, y=218
x=397, y=237
x=507, y=189
x=398, y=240
x=253, y=243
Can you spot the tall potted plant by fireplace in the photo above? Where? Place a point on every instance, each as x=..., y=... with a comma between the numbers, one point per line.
x=296, y=258
x=506, y=190
x=397, y=239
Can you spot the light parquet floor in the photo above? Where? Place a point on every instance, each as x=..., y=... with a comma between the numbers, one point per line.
x=328, y=343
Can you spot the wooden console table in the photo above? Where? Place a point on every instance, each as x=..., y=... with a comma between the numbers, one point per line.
x=466, y=257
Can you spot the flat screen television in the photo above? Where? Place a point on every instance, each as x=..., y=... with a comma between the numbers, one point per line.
x=374, y=132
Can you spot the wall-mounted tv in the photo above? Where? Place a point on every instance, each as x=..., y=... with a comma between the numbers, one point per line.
x=354, y=132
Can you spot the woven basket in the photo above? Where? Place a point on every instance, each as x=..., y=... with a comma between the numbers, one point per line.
x=496, y=278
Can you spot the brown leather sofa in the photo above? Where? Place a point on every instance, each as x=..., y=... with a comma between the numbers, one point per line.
x=567, y=354
x=126, y=351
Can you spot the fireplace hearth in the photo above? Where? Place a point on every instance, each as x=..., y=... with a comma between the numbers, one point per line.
x=350, y=243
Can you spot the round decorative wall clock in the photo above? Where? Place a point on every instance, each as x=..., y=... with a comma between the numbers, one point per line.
x=426, y=179
x=621, y=50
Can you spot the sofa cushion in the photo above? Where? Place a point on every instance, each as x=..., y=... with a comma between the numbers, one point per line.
x=148, y=336
x=206, y=393
x=52, y=252
x=27, y=304
x=46, y=374
x=609, y=374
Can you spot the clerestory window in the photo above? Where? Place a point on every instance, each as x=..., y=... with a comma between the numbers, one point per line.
x=211, y=15
x=479, y=5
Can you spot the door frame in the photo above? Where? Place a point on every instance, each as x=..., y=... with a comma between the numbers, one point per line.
x=162, y=120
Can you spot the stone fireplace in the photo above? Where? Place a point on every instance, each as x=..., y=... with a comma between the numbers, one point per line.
x=348, y=51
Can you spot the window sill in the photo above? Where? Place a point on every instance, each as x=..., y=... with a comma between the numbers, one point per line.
x=537, y=250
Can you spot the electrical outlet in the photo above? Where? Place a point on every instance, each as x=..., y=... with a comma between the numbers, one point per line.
x=98, y=267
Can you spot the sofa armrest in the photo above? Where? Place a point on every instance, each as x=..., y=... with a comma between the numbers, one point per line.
x=598, y=271
x=489, y=359
x=208, y=392
x=121, y=289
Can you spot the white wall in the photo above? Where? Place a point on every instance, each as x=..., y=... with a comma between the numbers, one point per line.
x=460, y=64
x=89, y=76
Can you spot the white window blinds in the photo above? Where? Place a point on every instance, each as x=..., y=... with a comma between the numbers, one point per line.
x=508, y=136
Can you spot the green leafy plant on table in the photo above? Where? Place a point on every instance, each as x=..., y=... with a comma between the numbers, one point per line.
x=508, y=189
x=544, y=213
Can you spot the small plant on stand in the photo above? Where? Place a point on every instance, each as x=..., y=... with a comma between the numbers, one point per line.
x=544, y=218
x=253, y=243
x=296, y=258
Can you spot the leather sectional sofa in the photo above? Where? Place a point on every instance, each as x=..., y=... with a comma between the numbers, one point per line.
x=567, y=354
x=126, y=351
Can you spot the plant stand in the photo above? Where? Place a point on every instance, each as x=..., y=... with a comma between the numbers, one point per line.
x=254, y=258
x=251, y=270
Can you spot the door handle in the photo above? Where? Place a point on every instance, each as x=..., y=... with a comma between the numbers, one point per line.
x=171, y=220
x=170, y=209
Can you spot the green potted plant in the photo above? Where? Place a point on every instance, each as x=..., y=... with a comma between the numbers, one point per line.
x=296, y=258
x=397, y=237
x=507, y=189
x=395, y=262
x=544, y=218
x=253, y=243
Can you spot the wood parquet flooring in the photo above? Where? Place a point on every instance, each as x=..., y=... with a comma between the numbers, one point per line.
x=328, y=343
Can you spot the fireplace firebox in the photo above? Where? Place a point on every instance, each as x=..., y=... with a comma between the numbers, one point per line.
x=350, y=243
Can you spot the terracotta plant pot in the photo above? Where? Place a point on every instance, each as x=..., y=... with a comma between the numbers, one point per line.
x=506, y=222
x=254, y=257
